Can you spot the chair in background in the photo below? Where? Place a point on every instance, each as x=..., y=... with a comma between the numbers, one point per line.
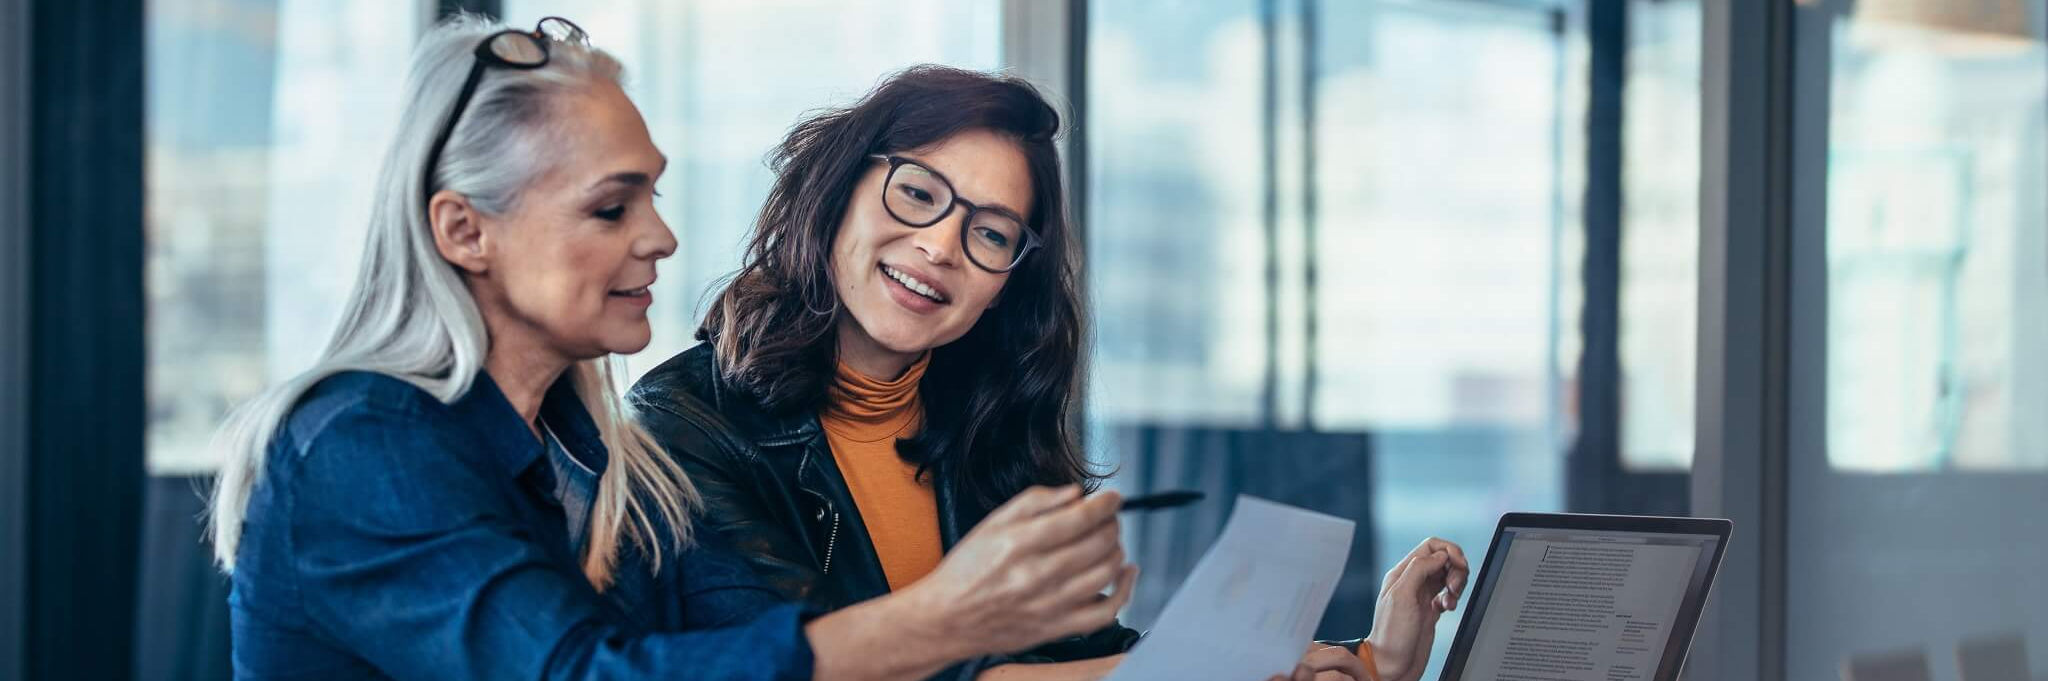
x=1998, y=658
x=1897, y=665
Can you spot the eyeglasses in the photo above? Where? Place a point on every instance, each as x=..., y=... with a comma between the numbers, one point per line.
x=512, y=49
x=993, y=237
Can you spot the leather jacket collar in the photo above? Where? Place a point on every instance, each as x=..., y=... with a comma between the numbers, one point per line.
x=789, y=476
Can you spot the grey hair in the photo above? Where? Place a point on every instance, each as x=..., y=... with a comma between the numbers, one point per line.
x=410, y=316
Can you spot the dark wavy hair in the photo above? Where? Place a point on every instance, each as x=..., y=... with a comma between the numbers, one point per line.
x=999, y=402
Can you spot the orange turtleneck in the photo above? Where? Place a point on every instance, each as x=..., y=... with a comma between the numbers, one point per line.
x=863, y=419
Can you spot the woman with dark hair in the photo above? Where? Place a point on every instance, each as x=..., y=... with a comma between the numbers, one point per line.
x=456, y=490
x=901, y=353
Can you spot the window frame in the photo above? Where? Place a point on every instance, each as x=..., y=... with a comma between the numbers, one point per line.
x=1596, y=477
x=1745, y=295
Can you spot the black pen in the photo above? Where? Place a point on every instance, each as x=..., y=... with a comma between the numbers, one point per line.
x=1161, y=500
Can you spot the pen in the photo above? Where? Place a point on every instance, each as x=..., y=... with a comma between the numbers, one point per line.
x=1161, y=500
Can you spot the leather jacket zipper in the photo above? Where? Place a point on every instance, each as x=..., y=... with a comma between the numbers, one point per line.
x=824, y=507
x=830, y=543
x=832, y=538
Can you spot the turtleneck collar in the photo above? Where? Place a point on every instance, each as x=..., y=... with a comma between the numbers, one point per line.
x=867, y=409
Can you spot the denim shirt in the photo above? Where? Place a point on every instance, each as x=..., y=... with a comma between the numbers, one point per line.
x=394, y=536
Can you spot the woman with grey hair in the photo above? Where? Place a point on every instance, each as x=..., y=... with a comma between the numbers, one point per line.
x=455, y=490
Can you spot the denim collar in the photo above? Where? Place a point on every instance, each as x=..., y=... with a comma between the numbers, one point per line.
x=572, y=483
x=487, y=411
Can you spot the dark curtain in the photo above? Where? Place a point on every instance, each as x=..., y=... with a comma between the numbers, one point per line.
x=84, y=408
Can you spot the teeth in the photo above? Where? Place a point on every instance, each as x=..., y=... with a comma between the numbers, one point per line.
x=913, y=284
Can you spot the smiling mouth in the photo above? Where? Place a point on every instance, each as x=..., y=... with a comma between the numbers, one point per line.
x=915, y=286
x=630, y=292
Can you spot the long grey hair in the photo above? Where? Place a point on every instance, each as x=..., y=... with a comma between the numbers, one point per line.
x=409, y=315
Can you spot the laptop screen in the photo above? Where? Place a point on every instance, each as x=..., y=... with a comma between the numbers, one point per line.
x=1561, y=604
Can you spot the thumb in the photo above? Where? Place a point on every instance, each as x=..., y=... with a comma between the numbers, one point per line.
x=1424, y=574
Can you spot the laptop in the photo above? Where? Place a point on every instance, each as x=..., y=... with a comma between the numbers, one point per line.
x=1570, y=597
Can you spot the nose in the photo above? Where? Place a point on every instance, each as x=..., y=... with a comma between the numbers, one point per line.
x=940, y=243
x=656, y=241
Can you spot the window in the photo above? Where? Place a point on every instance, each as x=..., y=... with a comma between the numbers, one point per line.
x=267, y=119
x=1937, y=242
x=1174, y=132
x=266, y=122
x=1660, y=235
x=1919, y=383
x=1335, y=251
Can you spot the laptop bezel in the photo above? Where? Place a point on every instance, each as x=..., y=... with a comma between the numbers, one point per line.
x=1689, y=611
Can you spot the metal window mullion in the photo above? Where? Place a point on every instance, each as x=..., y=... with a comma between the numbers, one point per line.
x=1310, y=274
x=1269, y=173
x=1046, y=43
x=1740, y=468
x=1074, y=35
x=1595, y=459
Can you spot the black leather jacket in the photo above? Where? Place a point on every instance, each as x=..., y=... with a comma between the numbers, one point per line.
x=772, y=489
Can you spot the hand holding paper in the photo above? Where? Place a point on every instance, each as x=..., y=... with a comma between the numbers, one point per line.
x=1252, y=603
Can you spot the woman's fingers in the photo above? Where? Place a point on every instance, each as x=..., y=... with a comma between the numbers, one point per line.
x=1461, y=568
x=1333, y=659
x=1067, y=524
x=1432, y=579
x=1033, y=502
x=1435, y=544
x=1125, y=585
x=1456, y=571
x=1394, y=575
x=1086, y=587
x=1102, y=610
x=1455, y=578
x=1035, y=571
x=1424, y=579
x=1105, y=554
x=1102, y=545
x=1327, y=663
x=1424, y=570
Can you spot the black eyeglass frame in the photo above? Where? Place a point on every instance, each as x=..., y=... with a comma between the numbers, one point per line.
x=1029, y=235
x=487, y=57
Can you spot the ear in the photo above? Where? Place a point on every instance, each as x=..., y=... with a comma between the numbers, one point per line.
x=458, y=231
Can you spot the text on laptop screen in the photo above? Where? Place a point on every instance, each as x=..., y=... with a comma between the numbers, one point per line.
x=1586, y=604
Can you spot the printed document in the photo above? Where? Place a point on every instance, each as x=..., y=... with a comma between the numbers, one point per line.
x=1250, y=608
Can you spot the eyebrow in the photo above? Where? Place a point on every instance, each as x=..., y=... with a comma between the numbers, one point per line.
x=997, y=206
x=1000, y=208
x=631, y=178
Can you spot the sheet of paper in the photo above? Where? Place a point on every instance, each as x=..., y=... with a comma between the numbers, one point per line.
x=1251, y=605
